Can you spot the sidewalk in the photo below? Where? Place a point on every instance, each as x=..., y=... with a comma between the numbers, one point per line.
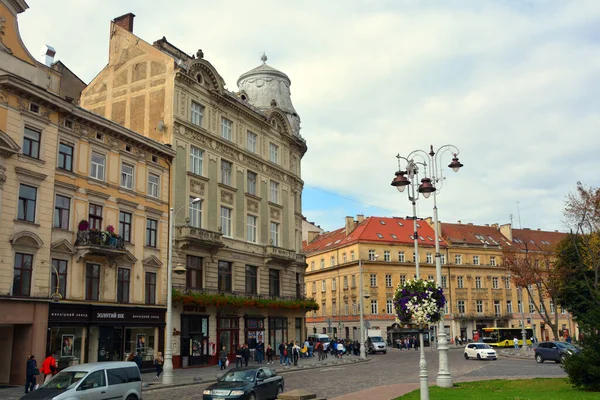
x=191, y=376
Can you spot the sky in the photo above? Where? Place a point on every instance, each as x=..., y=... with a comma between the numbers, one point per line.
x=514, y=85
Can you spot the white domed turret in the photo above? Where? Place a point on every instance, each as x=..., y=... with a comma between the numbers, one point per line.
x=266, y=87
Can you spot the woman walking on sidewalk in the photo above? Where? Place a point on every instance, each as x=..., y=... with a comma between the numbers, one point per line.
x=223, y=358
x=158, y=363
x=269, y=354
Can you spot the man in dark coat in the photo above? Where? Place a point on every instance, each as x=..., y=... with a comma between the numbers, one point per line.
x=245, y=354
x=281, y=350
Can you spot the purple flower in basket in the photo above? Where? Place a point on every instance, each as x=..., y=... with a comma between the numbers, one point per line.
x=83, y=225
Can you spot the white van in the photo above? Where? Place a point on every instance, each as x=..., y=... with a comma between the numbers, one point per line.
x=376, y=344
x=319, y=337
x=101, y=380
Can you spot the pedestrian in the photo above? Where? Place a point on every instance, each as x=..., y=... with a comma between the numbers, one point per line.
x=319, y=350
x=260, y=352
x=340, y=350
x=516, y=343
x=269, y=353
x=311, y=349
x=31, y=373
x=290, y=353
x=281, y=353
x=456, y=341
x=246, y=354
x=49, y=367
x=138, y=360
x=223, y=358
x=158, y=363
x=238, y=356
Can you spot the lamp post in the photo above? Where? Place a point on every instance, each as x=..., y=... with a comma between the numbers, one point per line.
x=363, y=354
x=56, y=296
x=168, y=362
x=432, y=184
x=523, y=331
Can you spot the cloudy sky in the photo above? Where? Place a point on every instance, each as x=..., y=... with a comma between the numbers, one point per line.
x=513, y=84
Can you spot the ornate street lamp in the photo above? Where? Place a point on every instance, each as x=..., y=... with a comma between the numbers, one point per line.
x=431, y=184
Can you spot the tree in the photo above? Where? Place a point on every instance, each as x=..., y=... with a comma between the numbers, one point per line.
x=530, y=265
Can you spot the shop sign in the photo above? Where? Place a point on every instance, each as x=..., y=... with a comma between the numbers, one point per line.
x=194, y=309
x=69, y=314
x=103, y=315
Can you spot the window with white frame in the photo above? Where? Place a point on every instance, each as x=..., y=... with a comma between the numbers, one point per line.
x=519, y=306
x=457, y=259
x=563, y=310
x=251, y=141
x=354, y=308
x=274, y=186
x=400, y=256
x=98, y=166
x=460, y=305
x=331, y=261
x=495, y=283
x=275, y=233
x=374, y=308
x=493, y=261
x=251, y=231
x=552, y=309
x=460, y=282
x=478, y=282
x=226, y=131
x=195, y=213
x=323, y=285
x=371, y=255
x=353, y=281
x=509, y=308
x=312, y=265
x=344, y=258
x=226, y=221
x=153, y=185
x=127, y=176
x=196, y=160
x=226, y=168
x=402, y=280
x=322, y=263
x=196, y=113
x=389, y=306
x=273, y=152
x=497, y=308
x=531, y=307
x=333, y=284
x=442, y=259
x=251, y=182
x=314, y=287
x=386, y=256
x=346, y=308
x=444, y=282
x=324, y=308
x=352, y=255
x=475, y=260
x=507, y=283
x=429, y=258
x=388, y=280
x=373, y=280
x=479, y=306
x=345, y=282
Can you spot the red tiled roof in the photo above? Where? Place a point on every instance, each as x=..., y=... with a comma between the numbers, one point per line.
x=375, y=229
x=534, y=239
x=473, y=234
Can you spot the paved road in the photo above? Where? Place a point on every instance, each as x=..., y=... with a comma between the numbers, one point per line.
x=394, y=367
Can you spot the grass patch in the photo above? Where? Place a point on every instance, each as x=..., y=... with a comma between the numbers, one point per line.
x=520, y=389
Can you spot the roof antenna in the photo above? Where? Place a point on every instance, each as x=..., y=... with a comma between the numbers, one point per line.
x=519, y=215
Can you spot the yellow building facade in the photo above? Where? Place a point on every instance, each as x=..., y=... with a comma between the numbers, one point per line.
x=237, y=186
x=479, y=291
x=86, y=290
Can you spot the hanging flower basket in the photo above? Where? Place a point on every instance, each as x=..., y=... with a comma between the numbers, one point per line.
x=419, y=302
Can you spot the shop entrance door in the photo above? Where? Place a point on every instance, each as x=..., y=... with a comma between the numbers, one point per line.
x=110, y=344
x=194, y=340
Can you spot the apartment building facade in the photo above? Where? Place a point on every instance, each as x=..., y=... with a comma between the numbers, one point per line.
x=236, y=185
x=84, y=209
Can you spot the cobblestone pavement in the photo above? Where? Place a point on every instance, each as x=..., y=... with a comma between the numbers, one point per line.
x=348, y=381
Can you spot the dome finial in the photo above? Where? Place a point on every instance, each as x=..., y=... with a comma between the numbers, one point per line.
x=264, y=58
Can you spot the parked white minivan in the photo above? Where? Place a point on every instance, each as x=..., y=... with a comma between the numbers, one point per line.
x=319, y=337
x=101, y=380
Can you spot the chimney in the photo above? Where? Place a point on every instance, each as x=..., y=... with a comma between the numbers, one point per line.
x=459, y=222
x=349, y=225
x=360, y=218
x=506, y=230
x=47, y=55
x=312, y=235
x=125, y=21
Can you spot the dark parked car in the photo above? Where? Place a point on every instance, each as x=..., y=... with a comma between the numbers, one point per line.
x=248, y=383
x=554, y=351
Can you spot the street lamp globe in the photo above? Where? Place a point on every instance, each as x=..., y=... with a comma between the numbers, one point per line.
x=455, y=164
x=400, y=181
x=426, y=187
x=179, y=269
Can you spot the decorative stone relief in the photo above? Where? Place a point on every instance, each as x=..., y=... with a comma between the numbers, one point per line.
x=2, y=177
x=252, y=206
x=227, y=197
x=2, y=45
x=275, y=213
x=23, y=106
x=3, y=97
x=197, y=187
x=194, y=136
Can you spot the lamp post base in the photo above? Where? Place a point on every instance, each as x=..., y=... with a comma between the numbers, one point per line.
x=444, y=379
x=424, y=380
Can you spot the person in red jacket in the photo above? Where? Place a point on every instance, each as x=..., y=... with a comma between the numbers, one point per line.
x=49, y=367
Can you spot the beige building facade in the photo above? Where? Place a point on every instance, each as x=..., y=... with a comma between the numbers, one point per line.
x=84, y=215
x=236, y=188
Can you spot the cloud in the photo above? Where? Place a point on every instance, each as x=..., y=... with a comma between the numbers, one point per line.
x=512, y=84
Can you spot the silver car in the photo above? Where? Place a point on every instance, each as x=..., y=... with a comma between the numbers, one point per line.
x=102, y=380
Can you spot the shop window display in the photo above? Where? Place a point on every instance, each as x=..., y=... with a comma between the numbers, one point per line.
x=141, y=340
x=67, y=343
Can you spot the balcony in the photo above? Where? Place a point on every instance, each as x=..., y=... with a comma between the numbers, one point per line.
x=280, y=255
x=99, y=243
x=198, y=238
x=301, y=259
x=245, y=295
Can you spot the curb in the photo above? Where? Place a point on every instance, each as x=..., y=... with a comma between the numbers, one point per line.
x=150, y=388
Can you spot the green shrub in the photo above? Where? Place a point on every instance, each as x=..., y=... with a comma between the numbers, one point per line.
x=584, y=368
